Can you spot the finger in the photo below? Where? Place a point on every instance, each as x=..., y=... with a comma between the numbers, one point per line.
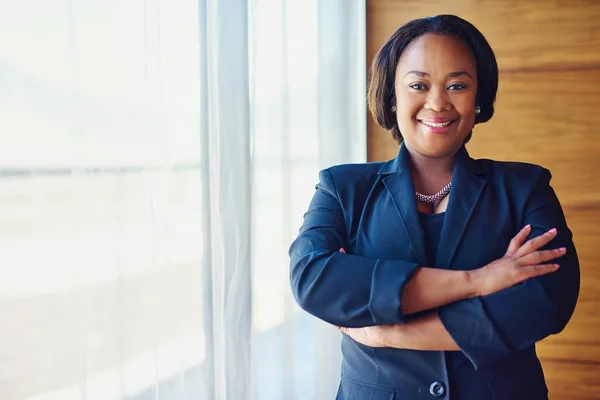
x=538, y=257
x=536, y=243
x=518, y=240
x=532, y=271
x=342, y=250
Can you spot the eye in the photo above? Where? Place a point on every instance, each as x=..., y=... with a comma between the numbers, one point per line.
x=457, y=86
x=418, y=86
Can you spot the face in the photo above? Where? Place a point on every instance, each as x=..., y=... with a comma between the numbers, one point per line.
x=436, y=84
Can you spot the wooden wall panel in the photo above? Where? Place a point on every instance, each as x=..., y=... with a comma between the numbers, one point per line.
x=524, y=34
x=572, y=381
x=547, y=112
x=549, y=118
x=579, y=343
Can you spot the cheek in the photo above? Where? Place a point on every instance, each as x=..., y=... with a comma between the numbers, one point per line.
x=409, y=105
x=407, y=118
x=466, y=107
x=468, y=114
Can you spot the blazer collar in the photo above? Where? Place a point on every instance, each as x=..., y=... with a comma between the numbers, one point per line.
x=468, y=181
x=467, y=185
x=402, y=160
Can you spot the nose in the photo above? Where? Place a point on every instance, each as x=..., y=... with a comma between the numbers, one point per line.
x=438, y=100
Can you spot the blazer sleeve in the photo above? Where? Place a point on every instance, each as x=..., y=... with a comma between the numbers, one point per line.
x=492, y=327
x=342, y=289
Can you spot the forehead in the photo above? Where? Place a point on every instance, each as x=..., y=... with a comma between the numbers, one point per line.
x=437, y=54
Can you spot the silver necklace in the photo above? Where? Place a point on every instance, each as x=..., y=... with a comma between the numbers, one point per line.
x=434, y=198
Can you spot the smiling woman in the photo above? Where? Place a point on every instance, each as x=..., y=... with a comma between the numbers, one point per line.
x=449, y=272
x=436, y=108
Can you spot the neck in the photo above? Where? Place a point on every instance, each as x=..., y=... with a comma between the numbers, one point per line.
x=429, y=174
x=426, y=166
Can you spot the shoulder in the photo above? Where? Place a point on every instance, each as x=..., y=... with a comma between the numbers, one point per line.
x=513, y=172
x=354, y=177
x=354, y=172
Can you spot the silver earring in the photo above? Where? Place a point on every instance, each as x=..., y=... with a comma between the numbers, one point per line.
x=477, y=111
x=394, y=109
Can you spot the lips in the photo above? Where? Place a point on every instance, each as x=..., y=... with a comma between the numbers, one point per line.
x=437, y=125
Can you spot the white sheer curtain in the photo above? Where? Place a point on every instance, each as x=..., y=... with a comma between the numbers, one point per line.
x=101, y=286
x=305, y=81
x=156, y=157
x=308, y=109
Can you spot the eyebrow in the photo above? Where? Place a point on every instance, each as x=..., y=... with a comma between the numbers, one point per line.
x=450, y=75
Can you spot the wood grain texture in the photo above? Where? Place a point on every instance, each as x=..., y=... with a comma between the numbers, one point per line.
x=524, y=34
x=546, y=113
x=551, y=119
x=572, y=381
x=580, y=341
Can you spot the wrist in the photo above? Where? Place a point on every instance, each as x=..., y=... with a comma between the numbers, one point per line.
x=392, y=336
x=472, y=284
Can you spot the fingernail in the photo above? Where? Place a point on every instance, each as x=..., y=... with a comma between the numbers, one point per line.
x=527, y=226
x=553, y=230
x=562, y=249
x=556, y=265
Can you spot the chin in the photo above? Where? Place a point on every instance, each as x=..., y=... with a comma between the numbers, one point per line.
x=440, y=153
x=435, y=149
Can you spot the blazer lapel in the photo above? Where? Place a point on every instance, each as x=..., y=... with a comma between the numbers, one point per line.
x=466, y=190
x=400, y=187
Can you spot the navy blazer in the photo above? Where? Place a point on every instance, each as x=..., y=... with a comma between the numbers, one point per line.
x=370, y=211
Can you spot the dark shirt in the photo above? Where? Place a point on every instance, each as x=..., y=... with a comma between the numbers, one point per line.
x=456, y=362
x=465, y=382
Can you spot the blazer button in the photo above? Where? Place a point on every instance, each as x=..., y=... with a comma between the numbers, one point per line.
x=437, y=389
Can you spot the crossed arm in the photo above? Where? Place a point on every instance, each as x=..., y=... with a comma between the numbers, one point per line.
x=522, y=261
x=487, y=313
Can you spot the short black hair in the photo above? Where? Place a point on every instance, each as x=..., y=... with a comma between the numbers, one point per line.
x=381, y=89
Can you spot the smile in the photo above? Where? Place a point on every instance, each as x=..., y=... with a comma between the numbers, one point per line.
x=436, y=124
x=440, y=127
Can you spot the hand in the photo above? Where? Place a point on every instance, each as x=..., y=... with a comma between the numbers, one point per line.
x=522, y=261
x=372, y=336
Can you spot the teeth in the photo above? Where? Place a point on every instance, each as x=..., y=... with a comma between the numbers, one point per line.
x=437, y=125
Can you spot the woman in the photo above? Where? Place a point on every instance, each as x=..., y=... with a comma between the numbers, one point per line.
x=449, y=270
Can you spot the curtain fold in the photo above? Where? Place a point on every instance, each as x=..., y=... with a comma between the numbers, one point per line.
x=226, y=107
